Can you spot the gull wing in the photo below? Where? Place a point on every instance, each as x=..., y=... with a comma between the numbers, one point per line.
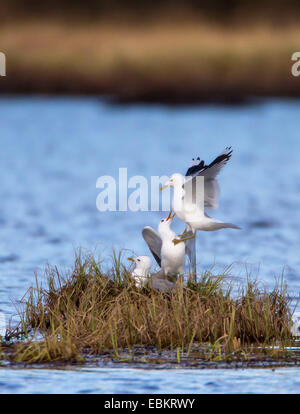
x=154, y=242
x=210, y=173
x=162, y=284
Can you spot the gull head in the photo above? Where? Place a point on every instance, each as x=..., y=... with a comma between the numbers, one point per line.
x=174, y=181
x=164, y=225
x=142, y=264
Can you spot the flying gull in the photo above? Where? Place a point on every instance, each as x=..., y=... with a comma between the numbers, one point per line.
x=193, y=215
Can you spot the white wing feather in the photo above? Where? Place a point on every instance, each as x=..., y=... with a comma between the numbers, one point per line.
x=211, y=186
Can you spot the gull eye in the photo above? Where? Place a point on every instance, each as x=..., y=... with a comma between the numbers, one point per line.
x=162, y=221
x=138, y=260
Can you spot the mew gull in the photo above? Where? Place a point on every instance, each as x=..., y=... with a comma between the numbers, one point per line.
x=141, y=270
x=194, y=215
x=170, y=257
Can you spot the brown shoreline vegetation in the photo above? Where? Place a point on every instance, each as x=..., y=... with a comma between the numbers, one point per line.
x=169, y=62
x=90, y=312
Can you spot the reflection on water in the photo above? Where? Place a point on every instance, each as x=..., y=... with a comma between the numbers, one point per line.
x=53, y=151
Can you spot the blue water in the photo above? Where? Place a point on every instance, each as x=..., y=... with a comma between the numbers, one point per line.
x=52, y=152
x=148, y=381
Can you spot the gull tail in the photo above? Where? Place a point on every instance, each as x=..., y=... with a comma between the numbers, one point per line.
x=231, y=226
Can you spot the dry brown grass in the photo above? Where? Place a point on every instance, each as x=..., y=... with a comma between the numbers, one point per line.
x=90, y=312
x=132, y=62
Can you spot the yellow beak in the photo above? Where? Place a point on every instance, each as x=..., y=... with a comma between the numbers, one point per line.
x=131, y=259
x=169, y=216
x=163, y=187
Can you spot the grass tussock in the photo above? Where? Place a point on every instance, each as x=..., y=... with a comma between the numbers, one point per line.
x=89, y=311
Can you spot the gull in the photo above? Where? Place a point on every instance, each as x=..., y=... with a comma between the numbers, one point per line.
x=141, y=270
x=2, y=325
x=170, y=257
x=295, y=330
x=190, y=213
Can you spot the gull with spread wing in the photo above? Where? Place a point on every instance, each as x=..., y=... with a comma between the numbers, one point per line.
x=169, y=256
x=194, y=215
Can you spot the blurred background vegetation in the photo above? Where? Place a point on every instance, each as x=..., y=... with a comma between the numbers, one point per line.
x=160, y=51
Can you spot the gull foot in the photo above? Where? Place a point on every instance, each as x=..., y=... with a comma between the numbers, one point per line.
x=176, y=241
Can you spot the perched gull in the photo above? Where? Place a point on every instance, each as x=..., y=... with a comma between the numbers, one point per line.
x=194, y=215
x=170, y=257
x=141, y=270
x=2, y=325
x=295, y=330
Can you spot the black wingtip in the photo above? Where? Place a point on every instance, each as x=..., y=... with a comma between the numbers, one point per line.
x=201, y=166
x=229, y=151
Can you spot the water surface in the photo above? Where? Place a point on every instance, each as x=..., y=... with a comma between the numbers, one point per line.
x=149, y=381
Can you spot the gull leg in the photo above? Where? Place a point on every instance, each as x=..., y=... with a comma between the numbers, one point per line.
x=185, y=234
x=192, y=257
x=194, y=271
x=179, y=282
x=176, y=241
